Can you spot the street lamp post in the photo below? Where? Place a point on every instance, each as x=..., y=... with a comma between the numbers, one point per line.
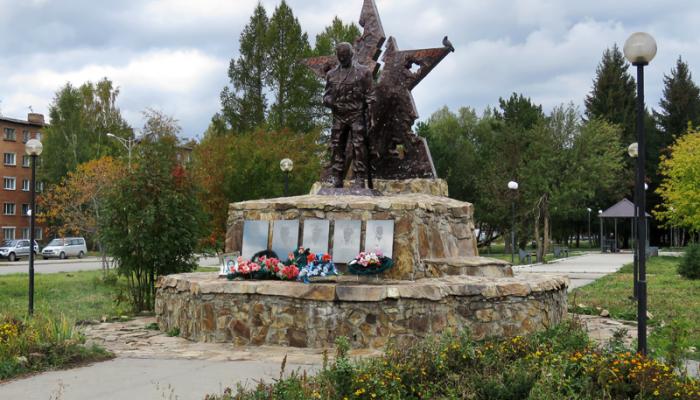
x=127, y=143
x=633, y=152
x=286, y=165
x=512, y=185
x=590, y=241
x=640, y=49
x=600, y=221
x=33, y=148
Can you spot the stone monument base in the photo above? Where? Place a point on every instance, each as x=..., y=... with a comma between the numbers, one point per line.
x=209, y=309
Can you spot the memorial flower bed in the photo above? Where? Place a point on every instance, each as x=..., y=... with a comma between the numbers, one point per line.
x=369, y=263
x=301, y=265
x=560, y=363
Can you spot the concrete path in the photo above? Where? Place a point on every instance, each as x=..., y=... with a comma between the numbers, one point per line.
x=581, y=270
x=142, y=379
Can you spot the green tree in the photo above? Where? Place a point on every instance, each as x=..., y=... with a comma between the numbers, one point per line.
x=613, y=96
x=243, y=107
x=151, y=220
x=297, y=92
x=680, y=104
x=80, y=119
x=336, y=32
x=681, y=180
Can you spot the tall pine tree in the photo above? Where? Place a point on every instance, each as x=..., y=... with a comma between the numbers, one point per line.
x=297, y=92
x=680, y=104
x=243, y=108
x=613, y=96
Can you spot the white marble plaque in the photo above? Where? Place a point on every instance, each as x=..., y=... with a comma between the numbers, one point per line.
x=316, y=232
x=285, y=237
x=254, y=237
x=346, y=241
x=380, y=236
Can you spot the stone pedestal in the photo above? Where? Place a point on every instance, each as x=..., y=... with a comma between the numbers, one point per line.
x=425, y=226
x=438, y=281
x=209, y=309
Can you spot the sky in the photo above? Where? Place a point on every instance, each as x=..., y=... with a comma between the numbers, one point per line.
x=173, y=55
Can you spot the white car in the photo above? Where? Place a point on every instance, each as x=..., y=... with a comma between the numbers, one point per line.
x=64, y=248
x=16, y=249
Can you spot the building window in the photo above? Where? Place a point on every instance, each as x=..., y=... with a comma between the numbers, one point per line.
x=25, y=185
x=8, y=182
x=10, y=134
x=25, y=209
x=25, y=136
x=26, y=161
x=37, y=136
x=38, y=233
x=8, y=232
x=9, y=209
x=25, y=233
x=9, y=159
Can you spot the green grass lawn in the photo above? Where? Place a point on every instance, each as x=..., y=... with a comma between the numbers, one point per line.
x=670, y=298
x=76, y=295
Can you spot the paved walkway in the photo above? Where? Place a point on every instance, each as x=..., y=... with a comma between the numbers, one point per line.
x=581, y=270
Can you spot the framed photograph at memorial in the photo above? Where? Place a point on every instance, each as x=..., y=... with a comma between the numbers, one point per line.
x=316, y=233
x=346, y=240
x=380, y=236
x=254, y=237
x=285, y=237
x=228, y=263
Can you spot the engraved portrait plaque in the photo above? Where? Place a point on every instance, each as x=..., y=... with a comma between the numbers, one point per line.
x=316, y=235
x=380, y=236
x=346, y=241
x=254, y=237
x=285, y=237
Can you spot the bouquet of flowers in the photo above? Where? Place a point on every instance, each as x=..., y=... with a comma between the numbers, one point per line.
x=316, y=265
x=368, y=263
x=264, y=268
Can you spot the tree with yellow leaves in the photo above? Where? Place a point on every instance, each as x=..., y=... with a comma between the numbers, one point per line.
x=680, y=188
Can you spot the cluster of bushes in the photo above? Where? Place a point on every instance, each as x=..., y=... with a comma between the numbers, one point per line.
x=40, y=344
x=560, y=363
x=689, y=267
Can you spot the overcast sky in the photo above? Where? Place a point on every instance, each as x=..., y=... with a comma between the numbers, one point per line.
x=173, y=55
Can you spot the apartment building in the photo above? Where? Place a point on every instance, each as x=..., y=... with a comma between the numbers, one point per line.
x=16, y=173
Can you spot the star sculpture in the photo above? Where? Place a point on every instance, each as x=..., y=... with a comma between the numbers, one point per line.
x=397, y=153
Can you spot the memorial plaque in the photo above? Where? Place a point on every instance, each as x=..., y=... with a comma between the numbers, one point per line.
x=285, y=237
x=316, y=232
x=254, y=237
x=228, y=263
x=380, y=236
x=346, y=241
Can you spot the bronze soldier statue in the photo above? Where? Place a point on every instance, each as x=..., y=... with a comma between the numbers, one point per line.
x=348, y=94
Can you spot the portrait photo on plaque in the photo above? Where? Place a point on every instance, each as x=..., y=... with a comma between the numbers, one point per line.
x=346, y=240
x=285, y=237
x=228, y=263
x=254, y=237
x=316, y=233
x=380, y=236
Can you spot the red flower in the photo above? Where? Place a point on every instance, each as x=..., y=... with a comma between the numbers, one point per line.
x=311, y=257
x=326, y=258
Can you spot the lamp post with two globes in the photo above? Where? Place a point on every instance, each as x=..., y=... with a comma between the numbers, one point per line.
x=640, y=49
x=512, y=185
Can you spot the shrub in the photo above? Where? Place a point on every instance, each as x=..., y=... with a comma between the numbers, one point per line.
x=556, y=364
x=41, y=343
x=689, y=267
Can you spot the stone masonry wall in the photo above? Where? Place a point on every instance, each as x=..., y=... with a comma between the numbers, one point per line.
x=299, y=315
x=425, y=226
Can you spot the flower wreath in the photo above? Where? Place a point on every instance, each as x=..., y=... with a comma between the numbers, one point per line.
x=370, y=263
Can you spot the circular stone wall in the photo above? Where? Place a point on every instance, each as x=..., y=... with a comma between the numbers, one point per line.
x=207, y=308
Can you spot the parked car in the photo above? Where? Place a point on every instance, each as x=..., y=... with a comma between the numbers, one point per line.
x=64, y=248
x=16, y=249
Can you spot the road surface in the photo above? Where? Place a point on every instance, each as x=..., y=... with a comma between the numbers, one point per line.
x=52, y=266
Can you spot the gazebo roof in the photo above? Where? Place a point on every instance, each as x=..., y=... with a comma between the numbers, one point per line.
x=623, y=209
